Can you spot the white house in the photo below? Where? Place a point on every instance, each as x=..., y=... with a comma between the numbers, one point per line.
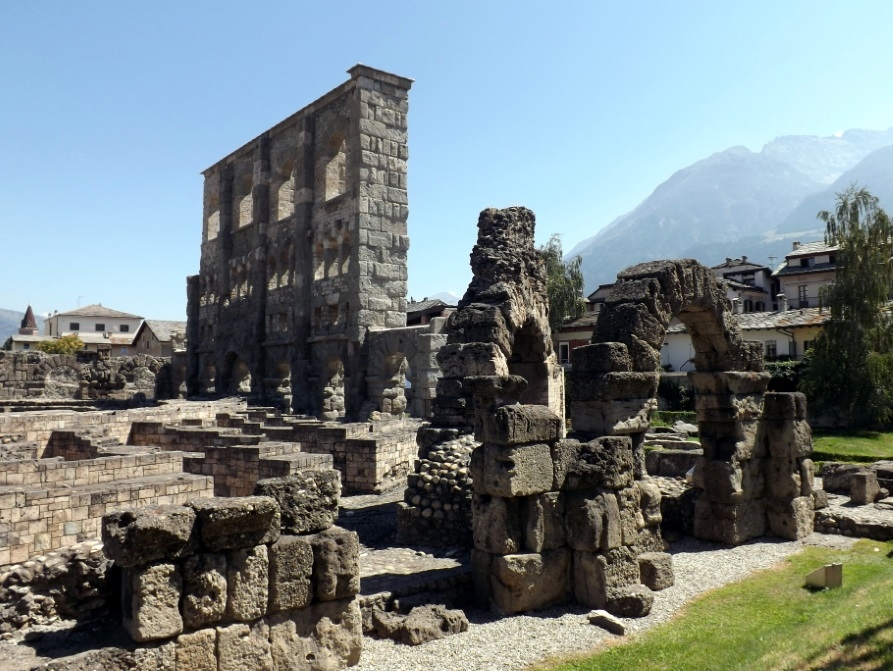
x=91, y=319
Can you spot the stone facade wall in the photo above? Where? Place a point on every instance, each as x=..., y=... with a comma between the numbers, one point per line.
x=228, y=584
x=34, y=375
x=303, y=250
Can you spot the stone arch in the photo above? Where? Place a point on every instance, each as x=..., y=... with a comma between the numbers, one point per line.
x=390, y=355
x=648, y=296
x=237, y=377
x=754, y=475
x=504, y=315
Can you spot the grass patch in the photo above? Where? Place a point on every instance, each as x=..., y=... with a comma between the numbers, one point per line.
x=670, y=417
x=770, y=622
x=857, y=446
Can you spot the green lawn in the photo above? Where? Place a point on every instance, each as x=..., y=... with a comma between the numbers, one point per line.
x=770, y=622
x=860, y=446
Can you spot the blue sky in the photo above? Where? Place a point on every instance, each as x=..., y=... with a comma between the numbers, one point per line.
x=109, y=111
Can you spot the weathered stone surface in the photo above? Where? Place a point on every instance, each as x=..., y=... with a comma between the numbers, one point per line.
x=421, y=625
x=603, y=357
x=197, y=651
x=136, y=536
x=204, y=589
x=649, y=502
x=631, y=519
x=291, y=567
x=792, y=519
x=496, y=524
x=325, y=636
x=523, y=582
x=613, y=386
x=596, y=575
x=788, y=439
x=516, y=424
x=630, y=601
x=336, y=564
x=608, y=622
x=864, y=487
x=308, y=501
x=243, y=646
x=656, y=570
x=517, y=470
x=807, y=477
x=612, y=417
x=784, y=406
x=783, y=478
x=236, y=522
x=151, y=602
x=248, y=577
x=603, y=462
x=732, y=524
x=458, y=360
x=481, y=568
x=544, y=527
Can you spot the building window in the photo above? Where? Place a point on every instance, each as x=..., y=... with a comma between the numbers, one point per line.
x=564, y=352
x=124, y=328
x=771, y=349
x=26, y=345
x=74, y=326
x=760, y=306
x=748, y=305
x=802, y=297
x=123, y=350
x=100, y=327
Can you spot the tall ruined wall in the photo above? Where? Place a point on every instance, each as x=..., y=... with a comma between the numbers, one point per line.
x=303, y=249
x=34, y=375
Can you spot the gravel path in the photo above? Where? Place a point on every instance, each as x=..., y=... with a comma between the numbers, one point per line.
x=516, y=642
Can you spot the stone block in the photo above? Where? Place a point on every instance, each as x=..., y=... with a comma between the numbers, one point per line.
x=807, y=477
x=248, y=579
x=474, y=358
x=787, y=439
x=518, y=470
x=614, y=386
x=792, y=519
x=150, y=598
x=291, y=568
x=597, y=574
x=242, y=646
x=784, y=406
x=496, y=524
x=610, y=418
x=544, y=522
x=516, y=424
x=630, y=601
x=732, y=441
x=729, y=382
x=236, y=522
x=308, y=501
x=326, y=636
x=729, y=523
x=336, y=564
x=523, y=582
x=864, y=487
x=204, y=589
x=656, y=570
x=603, y=462
x=608, y=622
x=727, y=407
x=197, y=651
x=783, y=478
x=649, y=502
x=593, y=522
x=137, y=536
x=603, y=357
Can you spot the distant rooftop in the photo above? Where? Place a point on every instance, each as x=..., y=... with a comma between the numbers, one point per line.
x=97, y=310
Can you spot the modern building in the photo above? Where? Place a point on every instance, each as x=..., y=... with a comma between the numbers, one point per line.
x=159, y=338
x=805, y=270
x=91, y=319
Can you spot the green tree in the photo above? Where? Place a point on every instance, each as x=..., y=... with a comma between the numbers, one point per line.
x=564, y=284
x=7, y=345
x=850, y=368
x=67, y=344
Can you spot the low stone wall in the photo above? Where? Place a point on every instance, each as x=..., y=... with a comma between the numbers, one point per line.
x=236, y=583
x=37, y=427
x=47, y=505
x=82, y=376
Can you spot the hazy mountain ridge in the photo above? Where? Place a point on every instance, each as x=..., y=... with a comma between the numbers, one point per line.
x=738, y=202
x=10, y=321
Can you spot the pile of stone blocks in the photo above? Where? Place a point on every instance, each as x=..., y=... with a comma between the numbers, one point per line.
x=560, y=519
x=263, y=581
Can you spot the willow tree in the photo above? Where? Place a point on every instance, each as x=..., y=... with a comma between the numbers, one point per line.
x=850, y=367
x=564, y=284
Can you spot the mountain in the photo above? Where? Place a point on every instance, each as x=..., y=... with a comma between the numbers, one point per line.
x=738, y=202
x=10, y=320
